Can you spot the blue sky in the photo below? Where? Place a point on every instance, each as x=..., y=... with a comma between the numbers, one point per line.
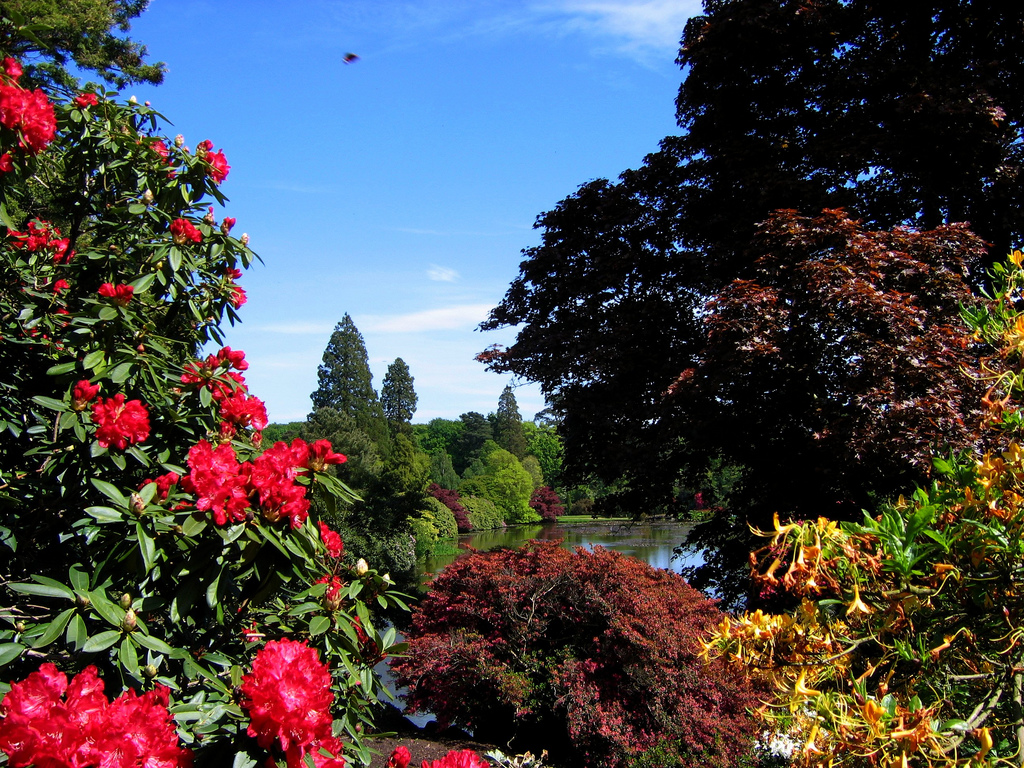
x=401, y=188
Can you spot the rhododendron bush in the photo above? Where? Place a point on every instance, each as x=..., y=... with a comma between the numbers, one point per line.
x=594, y=653
x=150, y=542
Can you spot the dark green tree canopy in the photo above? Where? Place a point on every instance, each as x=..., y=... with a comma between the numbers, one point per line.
x=508, y=424
x=48, y=36
x=397, y=395
x=345, y=383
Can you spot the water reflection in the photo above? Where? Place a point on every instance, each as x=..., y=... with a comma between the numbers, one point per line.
x=650, y=541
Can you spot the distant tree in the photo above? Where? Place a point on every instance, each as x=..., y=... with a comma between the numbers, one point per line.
x=543, y=442
x=508, y=424
x=364, y=464
x=439, y=435
x=345, y=383
x=532, y=467
x=545, y=502
x=282, y=432
x=441, y=470
x=476, y=431
x=397, y=395
x=78, y=33
x=504, y=482
x=401, y=488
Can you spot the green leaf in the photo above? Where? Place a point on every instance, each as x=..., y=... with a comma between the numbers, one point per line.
x=112, y=614
x=51, y=403
x=147, y=547
x=53, y=631
x=5, y=218
x=318, y=625
x=119, y=374
x=101, y=642
x=107, y=313
x=44, y=590
x=95, y=359
x=153, y=643
x=142, y=283
x=9, y=652
x=174, y=259
x=136, y=208
x=128, y=655
x=77, y=634
x=110, y=491
x=211, y=590
x=59, y=370
x=105, y=514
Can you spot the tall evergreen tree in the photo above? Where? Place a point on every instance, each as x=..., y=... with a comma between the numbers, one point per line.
x=397, y=395
x=346, y=384
x=508, y=424
x=476, y=431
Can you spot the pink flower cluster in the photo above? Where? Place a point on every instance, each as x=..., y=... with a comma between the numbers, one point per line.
x=288, y=697
x=229, y=489
x=237, y=407
x=120, y=422
x=29, y=113
x=49, y=722
x=462, y=758
x=42, y=237
x=183, y=231
x=119, y=294
x=218, y=162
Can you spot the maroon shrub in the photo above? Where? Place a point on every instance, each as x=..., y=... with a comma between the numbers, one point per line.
x=451, y=500
x=545, y=502
x=595, y=653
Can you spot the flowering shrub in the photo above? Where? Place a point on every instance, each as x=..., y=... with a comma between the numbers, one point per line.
x=147, y=531
x=451, y=499
x=906, y=646
x=591, y=649
x=546, y=503
x=47, y=721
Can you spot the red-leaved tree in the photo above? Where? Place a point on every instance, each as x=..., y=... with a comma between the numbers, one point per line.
x=595, y=651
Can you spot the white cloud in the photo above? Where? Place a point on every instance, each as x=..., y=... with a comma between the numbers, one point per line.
x=643, y=24
x=442, y=274
x=444, y=319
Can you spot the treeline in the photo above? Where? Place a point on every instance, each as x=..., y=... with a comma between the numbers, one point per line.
x=422, y=484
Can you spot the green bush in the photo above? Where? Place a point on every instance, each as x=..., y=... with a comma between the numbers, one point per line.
x=483, y=515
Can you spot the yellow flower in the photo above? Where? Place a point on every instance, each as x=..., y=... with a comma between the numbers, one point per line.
x=857, y=605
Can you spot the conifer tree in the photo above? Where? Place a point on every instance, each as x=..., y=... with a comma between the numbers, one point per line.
x=397, y=394
x=346, y=384
x=508, y=424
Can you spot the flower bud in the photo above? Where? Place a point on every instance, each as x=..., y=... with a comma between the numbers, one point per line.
x=132, y=99
x=361, y=567
x=137, y=505
x=244, y=239
x=130, y=622
x=208, y=218
x=83, y=601
x=149, y=671
x=126, y=601
x=386, y=578
x=20, y=626
x=148, y=197
x=179, y=140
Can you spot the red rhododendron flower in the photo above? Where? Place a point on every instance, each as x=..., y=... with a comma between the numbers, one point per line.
x=218, y=166
x=87, y=99
x=218, y=480
x=161, y=149
x=400, y=758
x=233, y=358
x=237, y=297
x=120, y=294
x=30, y=113
x=225, y=227
x=273, y=476
x=163, y=484
x=332, y=597
x=288, y=697
x=463, y=758
x=83, y=394
x=244, y=410
x=12, y=68
x=6, y=166
x=332, y=540
x=60, y=285
x=321, y=453
x=120, y=423
x=50, y=722
x=182, y=231
x=41, y=237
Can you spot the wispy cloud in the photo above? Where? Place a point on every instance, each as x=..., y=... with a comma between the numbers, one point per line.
x=652, y=25
x=445, y=319
x=442, y=274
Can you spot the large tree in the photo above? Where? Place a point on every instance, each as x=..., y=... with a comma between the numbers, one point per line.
x=345, y=383
x=903, y=114
x=397, y=395
x=508, y=424
x=78, y=33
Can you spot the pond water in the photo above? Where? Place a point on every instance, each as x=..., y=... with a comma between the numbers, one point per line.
x=651, y=541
